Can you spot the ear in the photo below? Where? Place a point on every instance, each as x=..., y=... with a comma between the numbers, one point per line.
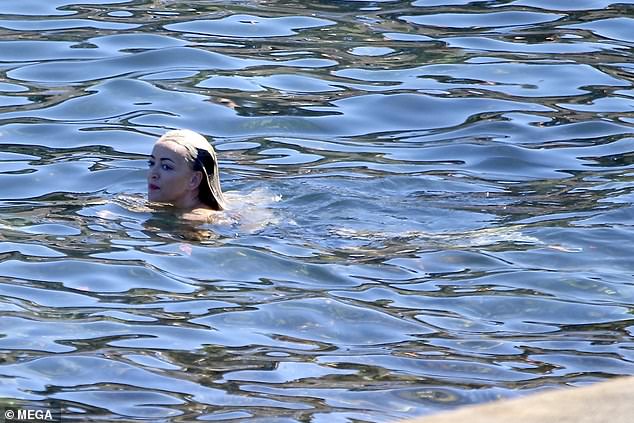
x=195, y=180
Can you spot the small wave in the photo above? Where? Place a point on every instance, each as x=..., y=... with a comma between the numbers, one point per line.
x=252, y=211
x=474, y=238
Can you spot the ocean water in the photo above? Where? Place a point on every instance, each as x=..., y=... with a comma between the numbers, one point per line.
x=433, y=206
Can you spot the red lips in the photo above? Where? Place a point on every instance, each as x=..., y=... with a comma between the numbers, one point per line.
x=152, y=187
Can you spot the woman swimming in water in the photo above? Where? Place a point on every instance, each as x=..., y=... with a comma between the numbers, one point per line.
x=183, y=172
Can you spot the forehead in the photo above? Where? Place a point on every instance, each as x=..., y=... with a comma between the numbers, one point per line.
x=169, y=150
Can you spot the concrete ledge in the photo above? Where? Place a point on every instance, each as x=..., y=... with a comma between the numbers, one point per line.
x=603, y=402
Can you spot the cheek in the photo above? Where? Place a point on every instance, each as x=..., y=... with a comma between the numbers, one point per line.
x=171, y=184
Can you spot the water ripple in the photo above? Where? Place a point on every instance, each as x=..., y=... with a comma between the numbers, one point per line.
x=431, y=206
x=249, y=26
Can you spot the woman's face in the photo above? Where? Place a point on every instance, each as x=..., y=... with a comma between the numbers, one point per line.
x=170, y=177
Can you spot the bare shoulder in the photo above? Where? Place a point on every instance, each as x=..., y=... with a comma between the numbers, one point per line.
x=203, y=215
x=198, y=215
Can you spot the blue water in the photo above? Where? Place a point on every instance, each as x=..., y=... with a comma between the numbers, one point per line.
x=433, y=206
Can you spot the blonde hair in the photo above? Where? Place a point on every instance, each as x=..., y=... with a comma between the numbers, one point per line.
x=202, y=157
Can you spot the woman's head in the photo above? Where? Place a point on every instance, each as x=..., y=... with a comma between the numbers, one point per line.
x=184, y=171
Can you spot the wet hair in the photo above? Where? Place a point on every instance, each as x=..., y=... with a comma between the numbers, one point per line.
x=202, y=158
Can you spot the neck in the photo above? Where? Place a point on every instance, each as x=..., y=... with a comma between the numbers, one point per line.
x=189, y=202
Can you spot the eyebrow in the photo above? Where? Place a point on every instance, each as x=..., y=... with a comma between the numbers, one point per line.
x=163, y=159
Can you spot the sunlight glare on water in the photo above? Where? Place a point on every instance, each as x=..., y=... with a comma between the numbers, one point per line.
x=431, y=206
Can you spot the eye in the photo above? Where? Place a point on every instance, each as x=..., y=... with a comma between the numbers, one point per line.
x=150, y=163
x=166, y=167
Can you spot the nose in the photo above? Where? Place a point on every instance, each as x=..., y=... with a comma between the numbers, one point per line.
x=153, y=174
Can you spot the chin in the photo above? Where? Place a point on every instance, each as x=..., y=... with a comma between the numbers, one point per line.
x=154, y=197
